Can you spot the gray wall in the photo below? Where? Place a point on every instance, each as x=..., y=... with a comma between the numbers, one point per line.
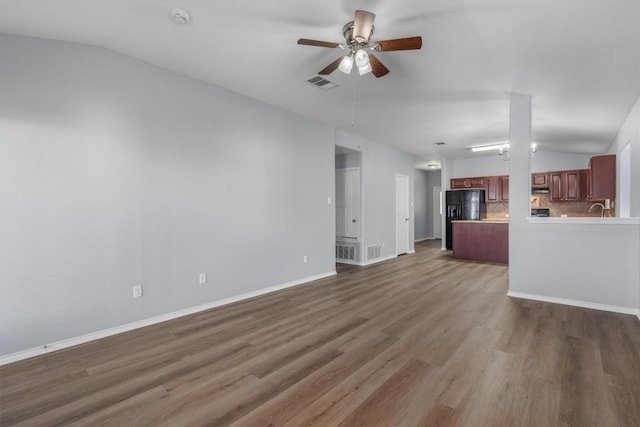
x=422, y=205
x=114, y=172
x=424, y=183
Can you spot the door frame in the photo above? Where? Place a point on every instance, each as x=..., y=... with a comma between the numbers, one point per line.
x=408, y=214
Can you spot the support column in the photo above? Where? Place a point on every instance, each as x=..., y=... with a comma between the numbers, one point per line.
x=519, y=182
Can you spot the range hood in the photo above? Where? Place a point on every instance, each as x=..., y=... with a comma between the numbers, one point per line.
x=539, y=191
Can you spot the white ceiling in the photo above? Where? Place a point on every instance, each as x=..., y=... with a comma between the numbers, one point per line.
x=579, y=59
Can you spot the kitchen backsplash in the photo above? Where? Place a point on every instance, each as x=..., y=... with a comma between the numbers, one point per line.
x=570, y=209
x=498, y=210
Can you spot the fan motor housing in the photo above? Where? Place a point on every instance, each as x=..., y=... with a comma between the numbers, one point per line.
x=347, y=32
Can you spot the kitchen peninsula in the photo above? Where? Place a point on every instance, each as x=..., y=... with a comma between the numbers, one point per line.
x=483, y=240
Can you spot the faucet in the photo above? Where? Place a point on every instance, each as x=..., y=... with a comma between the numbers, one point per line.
x=597, y=204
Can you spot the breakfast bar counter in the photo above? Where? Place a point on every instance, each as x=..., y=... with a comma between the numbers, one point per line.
x=484, y=240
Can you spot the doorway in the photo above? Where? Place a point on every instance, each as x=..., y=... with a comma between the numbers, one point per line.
x=402, y=214
x=347, y=203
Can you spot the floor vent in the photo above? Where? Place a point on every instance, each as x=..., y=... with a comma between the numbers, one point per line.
x=321, y=82
x=374, y=252
x=346, y=252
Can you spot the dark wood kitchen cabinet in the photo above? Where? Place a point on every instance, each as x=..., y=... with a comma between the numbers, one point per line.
x=504, y=188
x=458, y=183
x=492, y=189
x=564, y=186
x=602, y=177
x=540, y=180
x=496, y=189
x=467, y=183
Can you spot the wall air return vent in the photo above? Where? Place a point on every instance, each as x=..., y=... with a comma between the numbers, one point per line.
x=346, y=252
x=321, y=82
x=374, y=252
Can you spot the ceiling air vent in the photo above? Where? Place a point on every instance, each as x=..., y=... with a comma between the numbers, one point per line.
x=321, y=82
x=440, y=143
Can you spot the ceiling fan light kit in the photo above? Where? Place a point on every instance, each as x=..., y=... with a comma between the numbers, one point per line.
x=357, y=34
x=346, y=64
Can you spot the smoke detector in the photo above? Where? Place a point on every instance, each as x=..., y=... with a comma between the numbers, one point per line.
x=180, y=16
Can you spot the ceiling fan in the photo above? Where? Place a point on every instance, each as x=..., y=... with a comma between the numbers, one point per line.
x=357, y=34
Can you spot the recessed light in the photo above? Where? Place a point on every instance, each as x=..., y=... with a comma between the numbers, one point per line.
x=180, y=16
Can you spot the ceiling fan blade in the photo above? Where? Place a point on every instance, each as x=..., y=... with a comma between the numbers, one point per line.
x=363, y=25
x=319, y=43
x=407, y=43
x=377, y=68
x=331, y=67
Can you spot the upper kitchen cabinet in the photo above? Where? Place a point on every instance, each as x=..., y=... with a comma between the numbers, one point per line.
x=467, y=183
x=493, y=190
x=540, y=180
x=504, y=188
x=602, y=177
x=496, y=189
x=564, y=186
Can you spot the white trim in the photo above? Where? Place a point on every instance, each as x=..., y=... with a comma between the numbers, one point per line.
x=422, y=240
x=576, y=303
x=411, y=252
x=583, y=220
x=59, y=345
x=408, y=211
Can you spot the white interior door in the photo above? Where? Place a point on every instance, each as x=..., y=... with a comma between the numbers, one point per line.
x=437, y=212
x=348, y=202
x=402, y=214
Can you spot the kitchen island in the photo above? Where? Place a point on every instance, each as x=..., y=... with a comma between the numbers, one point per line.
x=484, y=240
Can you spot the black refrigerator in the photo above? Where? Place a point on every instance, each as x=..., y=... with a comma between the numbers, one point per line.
x=461, y=205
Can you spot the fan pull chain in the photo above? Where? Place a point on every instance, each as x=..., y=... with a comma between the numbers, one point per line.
x=354, y=98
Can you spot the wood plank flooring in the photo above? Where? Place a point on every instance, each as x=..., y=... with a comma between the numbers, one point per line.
x=419, y=340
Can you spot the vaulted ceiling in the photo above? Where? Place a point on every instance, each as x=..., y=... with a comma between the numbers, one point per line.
x=578, y=59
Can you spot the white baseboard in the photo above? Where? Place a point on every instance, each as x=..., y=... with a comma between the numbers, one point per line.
x=576, y=303
x=423, y=239
x=59, y=345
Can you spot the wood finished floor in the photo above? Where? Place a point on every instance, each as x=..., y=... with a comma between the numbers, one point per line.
x=419, y=340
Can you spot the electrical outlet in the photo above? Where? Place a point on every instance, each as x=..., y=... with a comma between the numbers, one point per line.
x=137, y=291
x=305, y=259
x=202, y=278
